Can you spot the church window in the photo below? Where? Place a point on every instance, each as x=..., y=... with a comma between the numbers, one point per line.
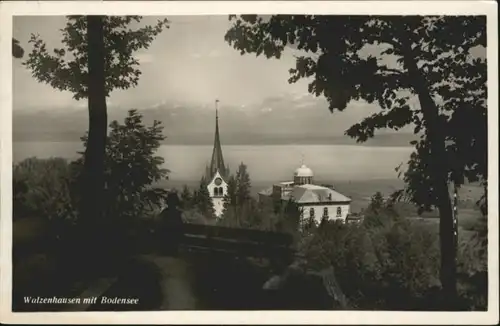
x=216, y=191
x=339, y=211
x=221, y=191
x=325, y=211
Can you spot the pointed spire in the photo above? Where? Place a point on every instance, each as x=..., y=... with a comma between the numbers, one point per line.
x=216, y=113
x=217, y=162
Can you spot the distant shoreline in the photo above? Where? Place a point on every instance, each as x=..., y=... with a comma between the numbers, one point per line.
x=186, y=138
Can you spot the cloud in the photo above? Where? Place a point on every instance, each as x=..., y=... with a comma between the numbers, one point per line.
x=207, y=54
x=214, y=54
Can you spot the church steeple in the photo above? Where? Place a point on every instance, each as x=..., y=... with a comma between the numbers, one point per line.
x=217, y=162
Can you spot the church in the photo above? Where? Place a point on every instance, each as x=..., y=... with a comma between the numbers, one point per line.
x=315, y=202
x=217, y=172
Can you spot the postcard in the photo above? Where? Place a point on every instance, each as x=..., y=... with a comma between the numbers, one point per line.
x=276, y=162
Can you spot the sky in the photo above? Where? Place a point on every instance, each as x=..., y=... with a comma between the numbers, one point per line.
x=189, y=62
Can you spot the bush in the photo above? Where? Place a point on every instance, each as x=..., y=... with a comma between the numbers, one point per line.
x=41, y=188
x=51, y=189
x=131, y=168
x=472, y=267
x=194, y=216
x=42, y=192
x=390, y=264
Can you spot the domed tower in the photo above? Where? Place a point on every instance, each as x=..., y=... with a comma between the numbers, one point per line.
x=303, y=175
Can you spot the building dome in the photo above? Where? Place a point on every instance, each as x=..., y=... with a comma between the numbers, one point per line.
x=303, y=171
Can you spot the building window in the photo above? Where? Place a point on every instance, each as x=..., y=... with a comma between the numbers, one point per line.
x=218, y=192
x=330, y=197
x=325, y=212
x=311, y=212
x=339, y=211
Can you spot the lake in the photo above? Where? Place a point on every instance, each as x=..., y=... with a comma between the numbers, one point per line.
x=268, y=163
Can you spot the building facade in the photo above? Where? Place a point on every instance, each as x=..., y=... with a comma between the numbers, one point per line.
x=314, y=201
x=217, y=172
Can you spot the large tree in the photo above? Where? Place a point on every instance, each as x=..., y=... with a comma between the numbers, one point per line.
x=186, y=197
x=394, y=60
x=203, y=201
x=230, y=195
x=243, y=185
x=97, y=57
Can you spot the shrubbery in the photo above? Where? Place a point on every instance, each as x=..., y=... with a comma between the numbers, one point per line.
x=50, y=189
x=42, y=187
x=388, y=262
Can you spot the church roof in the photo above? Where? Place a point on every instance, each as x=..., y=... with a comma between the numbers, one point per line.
x=306, y=194
x=217, y=162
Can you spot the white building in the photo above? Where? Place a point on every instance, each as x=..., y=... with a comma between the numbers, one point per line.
x=217, y=188
x=314, y=201
x=217, y=173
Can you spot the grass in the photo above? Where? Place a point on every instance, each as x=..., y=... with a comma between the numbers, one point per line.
x=467, y=221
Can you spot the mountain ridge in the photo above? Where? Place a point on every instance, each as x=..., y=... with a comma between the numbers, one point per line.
x=292, y=119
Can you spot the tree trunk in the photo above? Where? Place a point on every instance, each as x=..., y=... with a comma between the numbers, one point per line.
x=439, y=172
x=93, y=170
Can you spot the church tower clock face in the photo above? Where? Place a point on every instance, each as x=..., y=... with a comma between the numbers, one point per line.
x=218, y=181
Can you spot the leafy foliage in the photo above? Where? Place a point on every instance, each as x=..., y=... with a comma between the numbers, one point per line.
x=67, y=68
x=243, y=184
x=186, y=197
x=389, y=262
x=389, y=266
x=17, y=50
x=42, y=189
x=377, y=201
x=97, y=57
x=230, y=198
x=335, y=54
x=197, y=206
x=429, y=58
x=202, y=200
x=380, y=211
x=131, y=167
x=243, y=211
x=238, y=205
x=194, y=216
x=50, y=189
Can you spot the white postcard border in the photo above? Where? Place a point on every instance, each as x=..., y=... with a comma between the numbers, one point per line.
x=169, y=8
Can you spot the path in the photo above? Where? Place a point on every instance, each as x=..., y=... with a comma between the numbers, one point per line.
x=175, y=284
x=95, y=289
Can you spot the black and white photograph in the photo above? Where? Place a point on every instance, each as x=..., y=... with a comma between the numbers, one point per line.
x=308, y=157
